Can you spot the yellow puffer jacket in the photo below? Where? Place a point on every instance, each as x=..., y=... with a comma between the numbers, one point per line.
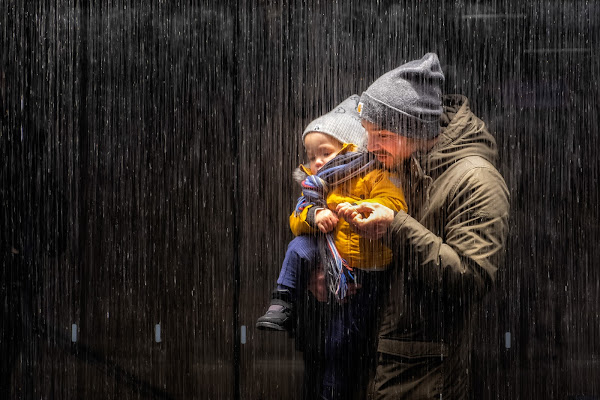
x=373, y=187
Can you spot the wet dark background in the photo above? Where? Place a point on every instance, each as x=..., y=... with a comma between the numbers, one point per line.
x=147, y=152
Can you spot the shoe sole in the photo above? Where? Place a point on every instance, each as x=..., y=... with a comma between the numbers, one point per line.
x=269, y=326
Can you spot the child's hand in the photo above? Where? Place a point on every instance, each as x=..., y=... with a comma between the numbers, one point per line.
x=347, y=211
x=370, y=220
x=326, y=220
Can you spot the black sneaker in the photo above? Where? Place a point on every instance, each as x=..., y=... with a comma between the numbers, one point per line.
x=282, y=320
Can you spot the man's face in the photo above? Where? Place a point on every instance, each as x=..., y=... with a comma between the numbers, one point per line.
x=390, y=148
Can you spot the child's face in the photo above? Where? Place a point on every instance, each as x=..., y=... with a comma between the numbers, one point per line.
x=320, y=148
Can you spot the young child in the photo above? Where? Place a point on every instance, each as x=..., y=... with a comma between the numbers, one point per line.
x=336, y=133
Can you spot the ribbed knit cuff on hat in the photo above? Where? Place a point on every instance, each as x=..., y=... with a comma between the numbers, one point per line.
x=391, y=119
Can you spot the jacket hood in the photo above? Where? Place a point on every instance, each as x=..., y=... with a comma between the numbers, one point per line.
x=462, y=135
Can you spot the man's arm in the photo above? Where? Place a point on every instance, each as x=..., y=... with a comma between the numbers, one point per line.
x=475, y=232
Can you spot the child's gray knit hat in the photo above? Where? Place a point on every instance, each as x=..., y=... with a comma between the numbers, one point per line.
x=341, y=123
x=407, y=100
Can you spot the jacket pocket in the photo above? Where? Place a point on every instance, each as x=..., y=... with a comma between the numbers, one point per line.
x=411, y=349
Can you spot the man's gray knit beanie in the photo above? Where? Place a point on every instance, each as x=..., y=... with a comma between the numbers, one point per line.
x=341, y=123
x=407, y=100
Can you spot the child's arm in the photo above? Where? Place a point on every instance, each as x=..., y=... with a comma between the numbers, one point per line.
x=385, y=192
x=313, y=219
x=303, y=223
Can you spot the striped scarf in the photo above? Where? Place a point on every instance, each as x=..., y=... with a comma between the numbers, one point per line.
x=315, y=189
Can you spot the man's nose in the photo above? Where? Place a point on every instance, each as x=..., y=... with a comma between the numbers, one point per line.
x=372, y=144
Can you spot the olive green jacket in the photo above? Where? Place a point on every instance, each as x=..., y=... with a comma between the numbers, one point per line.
x=448, y=248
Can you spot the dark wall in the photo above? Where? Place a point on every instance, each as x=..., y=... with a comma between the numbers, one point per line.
x=147, y=182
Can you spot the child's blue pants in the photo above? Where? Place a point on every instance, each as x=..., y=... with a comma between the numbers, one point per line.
x=302, y=254
x=351, y=336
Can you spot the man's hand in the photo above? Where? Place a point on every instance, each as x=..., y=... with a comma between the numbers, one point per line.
x=370, y=220
x=326, y=220
x=318, y=287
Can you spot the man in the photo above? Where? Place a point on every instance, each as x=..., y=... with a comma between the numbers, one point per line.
x=448, y=246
